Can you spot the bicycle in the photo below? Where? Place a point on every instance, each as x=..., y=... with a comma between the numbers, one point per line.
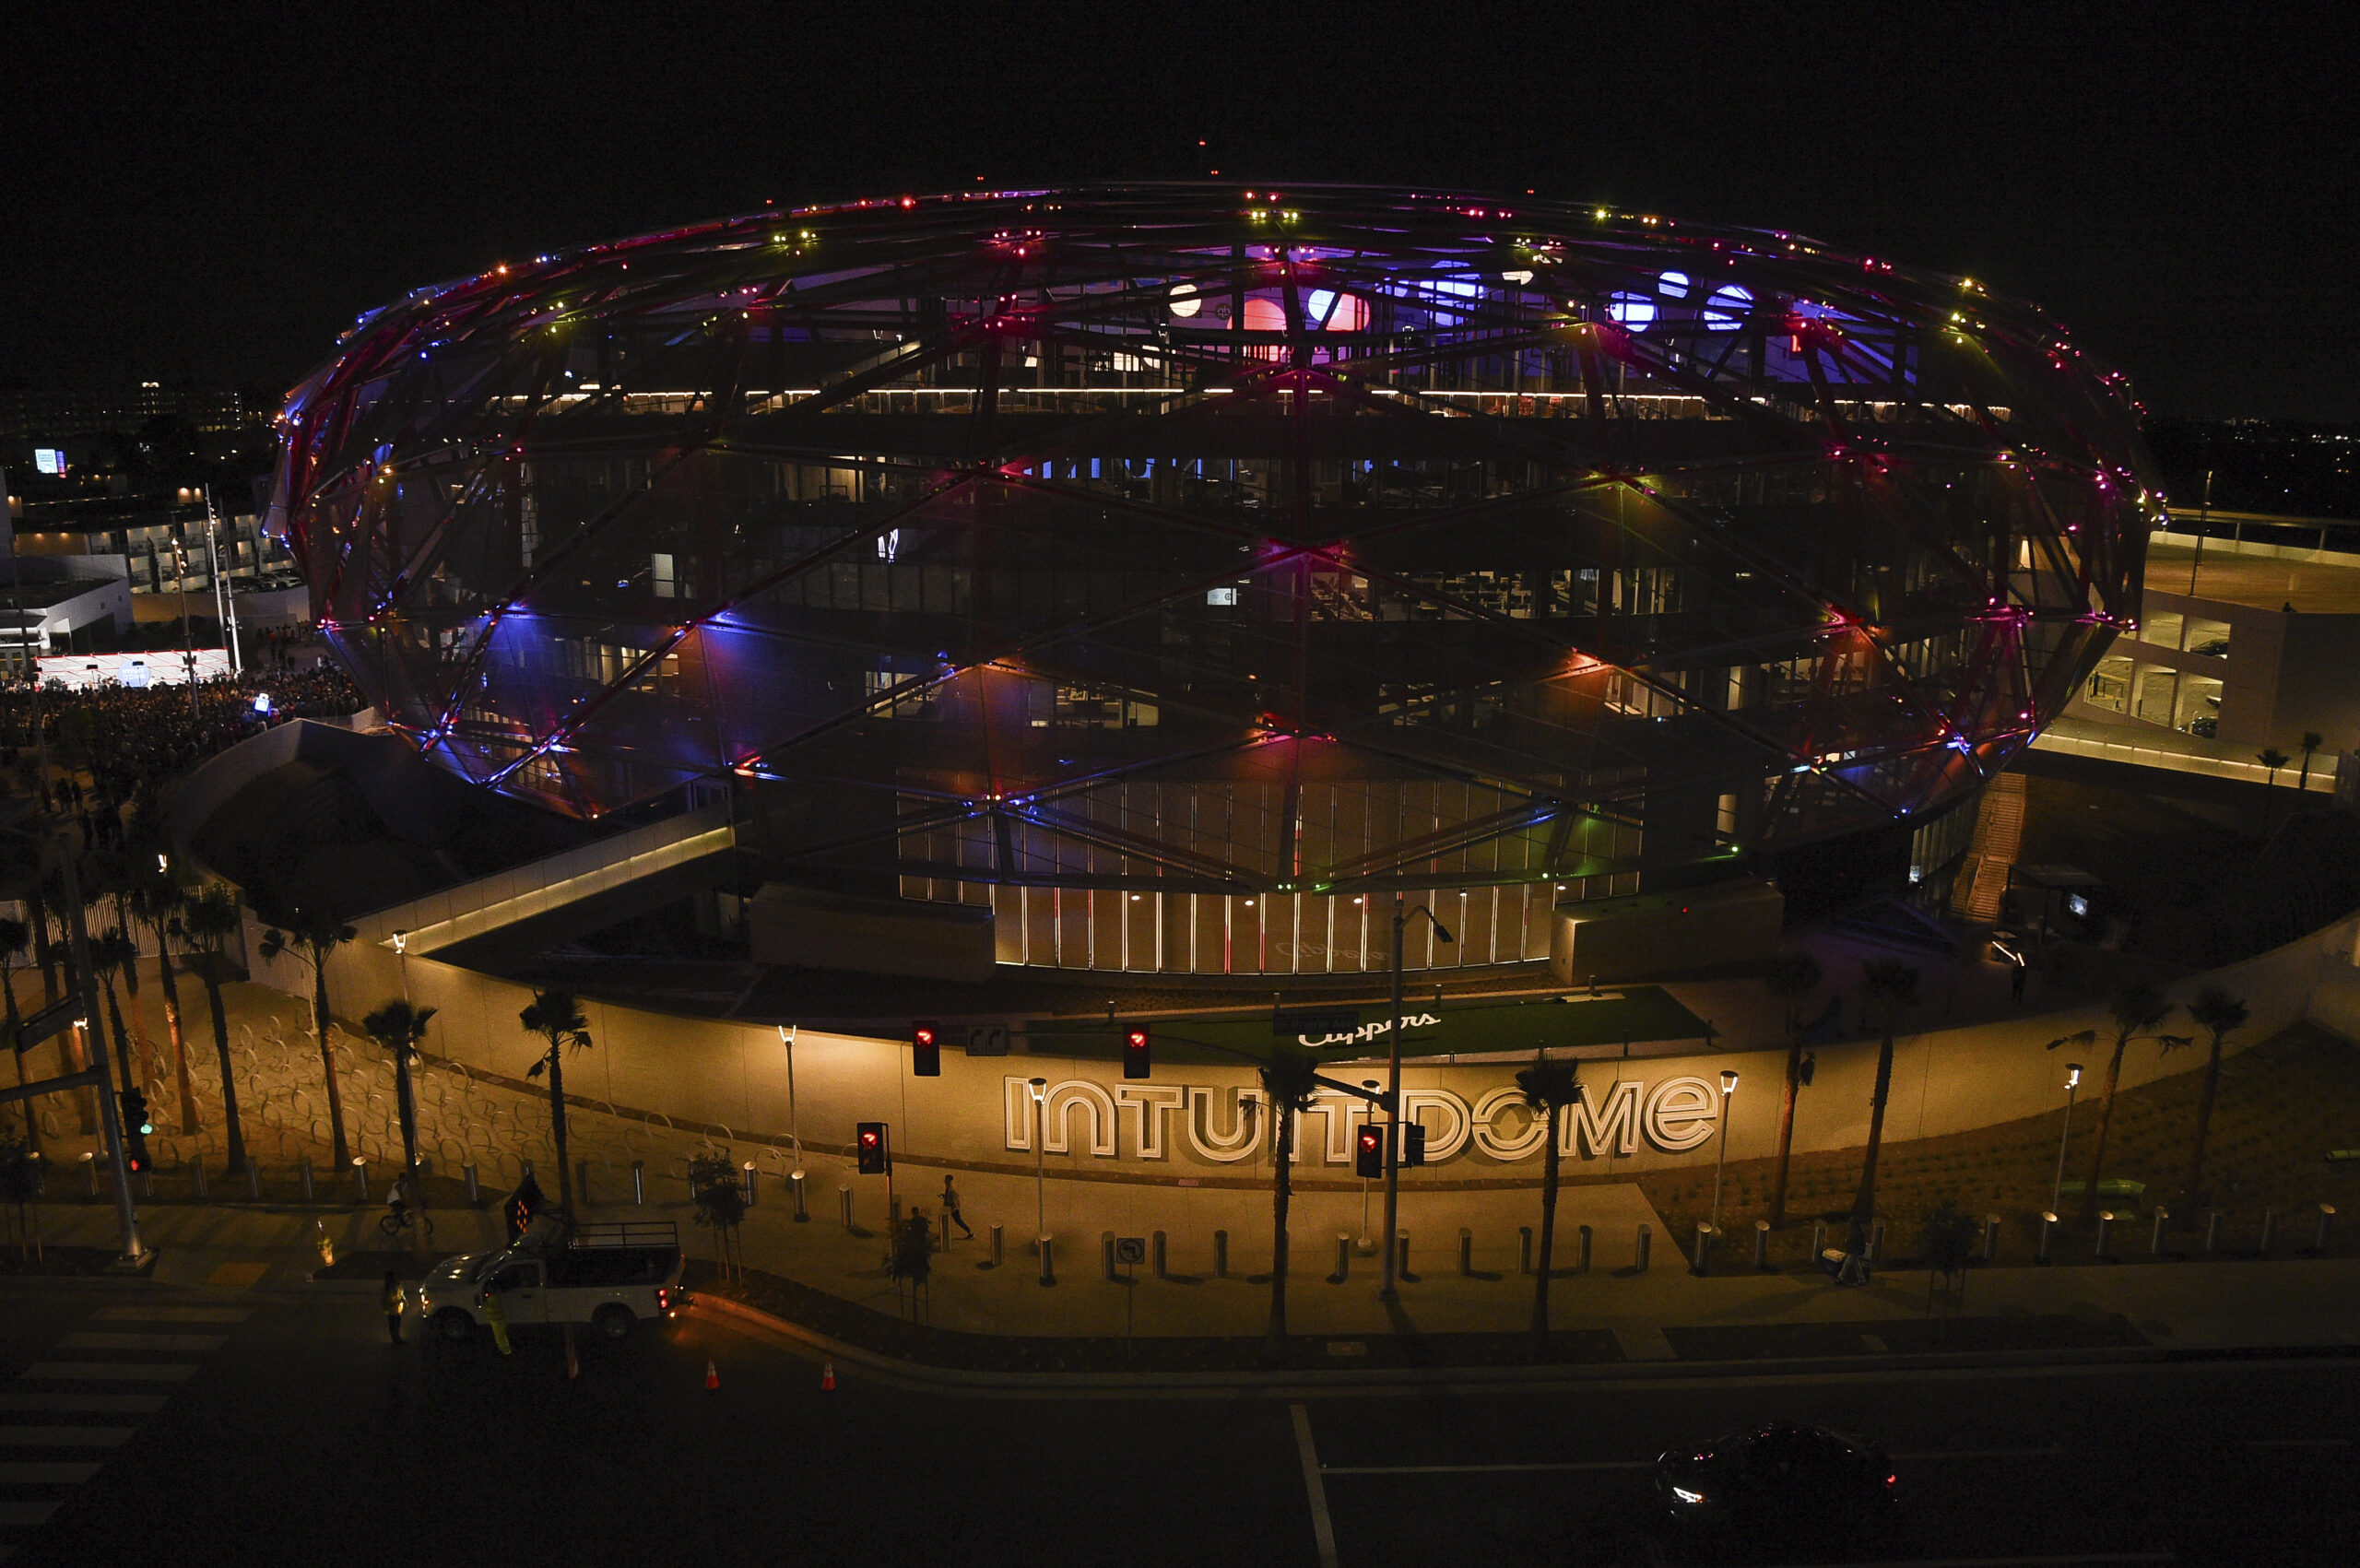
x=400, y=1218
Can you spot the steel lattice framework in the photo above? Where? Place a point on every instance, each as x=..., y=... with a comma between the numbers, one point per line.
x=1186, y=537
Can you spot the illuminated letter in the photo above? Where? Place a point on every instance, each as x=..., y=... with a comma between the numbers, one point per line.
x=1488, y=1108
x=1680, y=1114
x=1588, y=1132
x=1246, y=1130
x=1152, y=1104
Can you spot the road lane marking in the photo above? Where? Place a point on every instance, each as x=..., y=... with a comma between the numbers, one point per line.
x=110, y=1371
x=1480, y=1470
x=190, y=1344
x=171, y=1314
x=46, y=1472
x=66, y=1436
x=86, y=1404
x=1323, y=1529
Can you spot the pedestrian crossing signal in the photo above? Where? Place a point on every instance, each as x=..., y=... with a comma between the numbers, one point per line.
x=925, y=1051
x=1369, y=1161
x=1135, y=1051
x=868, y=1146
x=137, y=1125
x=1413, y=1143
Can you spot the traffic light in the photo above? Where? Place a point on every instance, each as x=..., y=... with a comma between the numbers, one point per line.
x=1135, y=1049
x=1370, y=1158
x=925, y=1051
x=137, y=1125
x=1413, y=1143
x=868, y=1143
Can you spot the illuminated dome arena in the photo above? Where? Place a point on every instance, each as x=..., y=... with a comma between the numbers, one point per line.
x=1167, y=569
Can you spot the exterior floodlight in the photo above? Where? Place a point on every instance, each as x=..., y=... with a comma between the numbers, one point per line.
x=1728, y=1082
x=2073, y=1074
x=401, y=942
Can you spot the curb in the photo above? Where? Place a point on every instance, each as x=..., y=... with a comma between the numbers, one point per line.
x=918, y=1377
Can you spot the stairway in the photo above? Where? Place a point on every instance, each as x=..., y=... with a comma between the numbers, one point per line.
x=1999, y=837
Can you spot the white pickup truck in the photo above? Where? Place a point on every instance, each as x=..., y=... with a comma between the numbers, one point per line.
x=608, y=1275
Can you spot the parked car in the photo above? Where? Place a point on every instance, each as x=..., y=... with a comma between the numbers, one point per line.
x=1778, y=1490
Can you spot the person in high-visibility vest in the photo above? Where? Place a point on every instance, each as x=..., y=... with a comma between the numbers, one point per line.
x=498, y=1316
x=394, y=1300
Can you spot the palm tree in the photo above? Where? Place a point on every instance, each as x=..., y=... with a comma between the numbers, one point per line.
x=1549, y=1087
x=155, y=899
x=206, y=928
x=2312, y=740
x=311, y=936
x=14, y=934
x=557, y=1018
x=2136, y=1011
x=1891, y=986
x=1289, y=1083
x=1792, y=977
x=2217, y=1013
x=2272, y=757
x=111, y=951
x=398, y=1027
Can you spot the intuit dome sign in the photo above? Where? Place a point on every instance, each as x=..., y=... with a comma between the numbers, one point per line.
x=1226, y=1126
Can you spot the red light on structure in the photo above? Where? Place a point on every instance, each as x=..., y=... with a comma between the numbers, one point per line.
x=925, y=1052
x=1135, y=1051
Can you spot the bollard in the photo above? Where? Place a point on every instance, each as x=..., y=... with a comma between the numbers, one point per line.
x=843, y=1201
x=2105, y=1222
x=91, y=1168
x=475, y=1185
x=360, y=1178
x=996, y=1237
x=893, y=1210
x=1991, y=1238
x=1523, y=1249
x=1106, y=1251
x=1703, y=1258
x=946, y=1230
x=1581, y=1250
x=1647, y=1241
x=254, y=1176
x=2269, y=1228
x=1818, y=1239
x=1048, y=1259
x=2155, y=1241
x=1158, y=1255
x=1221, y=1254
x=1465, y=1253
x=303, y=1175
x=795, y=1185
x=196, y=1175
x=2213, y=1232
x=2048, y=1225
x=2327, y=1213
x=1761, y=1244
x=1343, y=1258
x=753, y=1188
x=1876, y=1241
x=1401, y=1270
x=639, y=1183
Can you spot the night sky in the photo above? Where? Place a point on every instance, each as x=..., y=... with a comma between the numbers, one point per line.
x=200, y=197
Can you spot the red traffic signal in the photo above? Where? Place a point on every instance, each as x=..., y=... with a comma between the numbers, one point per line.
x=925, y=1051
x=868, y=1146
x=1135, y=1051
x=1370, y=1158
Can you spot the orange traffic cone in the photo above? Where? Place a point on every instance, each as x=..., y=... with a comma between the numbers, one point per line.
x=711, y=1377
x=827, y=1377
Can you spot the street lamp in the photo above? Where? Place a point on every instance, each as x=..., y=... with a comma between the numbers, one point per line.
x=2072, y=1078
x=1728, y=1088
x=1370, y=1084
x=1040, y=1087
x=1393, y=1096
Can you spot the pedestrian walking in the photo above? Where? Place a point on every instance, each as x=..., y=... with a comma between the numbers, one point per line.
x=950, y=1209
x=2016, y=982
x=396, y=1301
x=498, y=1316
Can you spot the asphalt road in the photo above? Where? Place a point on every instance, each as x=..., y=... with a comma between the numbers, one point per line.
x=140, y=1424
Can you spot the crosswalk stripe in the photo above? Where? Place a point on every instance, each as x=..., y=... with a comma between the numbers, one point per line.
x=82, y=1404
x=13, y=1511
x=171, y=1314
x=65, y=1436
x=192, y=1344
x=114, y=1371
x=46, y=1472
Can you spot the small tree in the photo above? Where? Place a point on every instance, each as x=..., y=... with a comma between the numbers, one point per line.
x=18, y=1183
x=558, y=1019
x=1548, y=1087
x=1791, y=978
x=1891, y=987
x=398, y=1027
x=2312, y=740
x=204, y=928
x=909, y=1254
x=311, y=937
x=1288, y=1085
x=14, y=935
x=2219, y=1015
x=2273, y=759
x=1944, y=1244
x=2137, y=1008
x=720, y=1202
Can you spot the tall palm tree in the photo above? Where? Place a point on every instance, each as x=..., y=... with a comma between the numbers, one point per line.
x=206, y=927
x=2272, y=757
x=154, y=900
x=558, y=1019
x=1891, y=986
x=2312, y=740
x=14, y=934
x=109, y=952
x=2137, y=1008
x=311, y=937
x=1289, y=1083
x=1792, y=977
x=398, y=1027
x=2218, y=1014
x=1549, y=1087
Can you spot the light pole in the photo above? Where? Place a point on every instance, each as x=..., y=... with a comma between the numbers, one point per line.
x=786, y=1033
x=1370, y=1084
x=1040, y=1087
x=1728, y=1089
x=2057, y=1191
x=1393, y=1096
